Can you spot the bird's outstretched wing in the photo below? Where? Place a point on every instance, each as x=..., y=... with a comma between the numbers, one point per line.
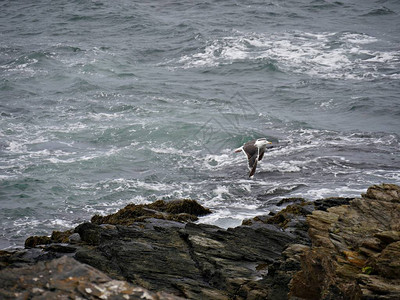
x=253, y=164
x=261, y=155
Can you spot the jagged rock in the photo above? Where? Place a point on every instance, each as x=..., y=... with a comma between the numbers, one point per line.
x=74, y=238
x=66, y=278
x=89, y=233
x=387, y=263
x=195, y=261
x=388, y=237
x=348, y=243
x=60, y=248
x=283, y=217
x=324, y=204
x=56, y=237
x=34, y=241
x=281, y=272
x=179, y=210
x=5, y=258
x=385, y=192
x=376, y=287
x=293, y=200
x=291, y=219
x=262, y=219
x=61, y=236
x=335, y=248
x=20, y=258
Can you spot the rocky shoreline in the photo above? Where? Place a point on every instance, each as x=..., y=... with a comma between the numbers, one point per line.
x=335, y=248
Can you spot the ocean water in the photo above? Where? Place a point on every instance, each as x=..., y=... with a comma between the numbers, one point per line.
x=105, y=103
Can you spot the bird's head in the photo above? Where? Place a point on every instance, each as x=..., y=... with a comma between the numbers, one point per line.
x=262, y=142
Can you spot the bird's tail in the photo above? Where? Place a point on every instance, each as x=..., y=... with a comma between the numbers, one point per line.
x=239, y=149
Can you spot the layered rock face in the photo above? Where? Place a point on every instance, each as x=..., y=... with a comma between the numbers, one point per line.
x=66, y=278
x=195, y=261
x=355, y=251
x=336, y=248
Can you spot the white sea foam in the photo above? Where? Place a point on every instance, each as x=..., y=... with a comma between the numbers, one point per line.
x=6, y=177
x=299, y=52
x=220, y=161
x=27, y=222
x=357, y=38
x=104, y=116
x=174, y=151
x=283, y=167
x=220, y=191
x=383, y=57
x=319, y=193
x=60, y=223
x=245, y=187
x=279, y=188
x=384, y=175
x=109, y=207
x=17, y=147
x=155, y=186
x=72, y=127
x=25, y=69
x=55, y=160
x=229, y=217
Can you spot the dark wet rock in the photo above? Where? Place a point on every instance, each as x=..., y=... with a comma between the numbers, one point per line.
x=34, y=241
x=66, y=278
x=6, y=258
x=179, y=210
x=387, y=263
x=74, y=238
x=60, y=248
x=22, y=257
x=335, y=248
x=61, y=236
x=196, y=261
x=293, y=200
x=283, y=217
x=89, y=233
x=324, y=204
x=56, y=237
x=291, y=220
x=281, y=272
x=257, y=219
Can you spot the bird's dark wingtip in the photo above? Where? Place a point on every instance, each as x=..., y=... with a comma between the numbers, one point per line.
x=253, y=170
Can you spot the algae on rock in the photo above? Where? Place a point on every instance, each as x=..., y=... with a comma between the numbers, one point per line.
x=184, y=210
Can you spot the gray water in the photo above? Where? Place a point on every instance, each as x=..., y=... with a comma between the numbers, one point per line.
x=105, y=103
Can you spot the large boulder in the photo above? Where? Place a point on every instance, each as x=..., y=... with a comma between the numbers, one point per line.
x=182, y=210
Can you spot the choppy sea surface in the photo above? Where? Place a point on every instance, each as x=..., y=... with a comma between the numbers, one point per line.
x=105, y=103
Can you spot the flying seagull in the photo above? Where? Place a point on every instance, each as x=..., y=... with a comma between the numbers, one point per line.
x=254, y=151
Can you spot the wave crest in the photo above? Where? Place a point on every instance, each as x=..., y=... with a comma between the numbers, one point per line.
x=325, y=55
